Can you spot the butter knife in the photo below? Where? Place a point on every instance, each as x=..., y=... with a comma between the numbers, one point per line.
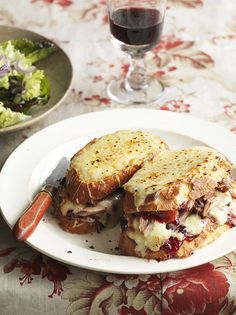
x=31, y=217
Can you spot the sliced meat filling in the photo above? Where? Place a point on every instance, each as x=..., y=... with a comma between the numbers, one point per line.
x=166, y=230
x=106, y=212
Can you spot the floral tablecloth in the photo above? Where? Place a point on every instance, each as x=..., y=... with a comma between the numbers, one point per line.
x=196, y=61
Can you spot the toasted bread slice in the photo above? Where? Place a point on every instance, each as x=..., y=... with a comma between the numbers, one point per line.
x=106, y=163
x=210, y=233
x=173, y=178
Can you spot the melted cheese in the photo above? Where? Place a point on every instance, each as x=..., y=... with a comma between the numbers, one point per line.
x=112, y=203
x=107, y=211
x=112, y=153
x=69, y=205
x=220, y=207
x=153, y=237
x=176, y=165
x=194, y=224
x=81, y=222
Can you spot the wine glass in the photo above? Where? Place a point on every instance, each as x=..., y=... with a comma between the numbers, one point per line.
x=136, y=27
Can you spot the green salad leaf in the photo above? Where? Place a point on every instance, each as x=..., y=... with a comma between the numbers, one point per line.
x=33, y=51
x=25, y=46
x=8, y=50
x=32, y=83
x=4, y=82
x=9, y=117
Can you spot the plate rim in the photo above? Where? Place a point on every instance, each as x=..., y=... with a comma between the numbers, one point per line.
x=112, y=112
x=28, y=122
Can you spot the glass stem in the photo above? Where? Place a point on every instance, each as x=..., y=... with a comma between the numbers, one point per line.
x=136, y=78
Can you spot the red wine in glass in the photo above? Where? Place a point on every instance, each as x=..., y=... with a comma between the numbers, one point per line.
x=137, y=26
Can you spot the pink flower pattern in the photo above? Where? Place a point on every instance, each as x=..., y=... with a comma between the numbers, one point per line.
x=195, y=291
x=63, y=3
x=177, y=106
x=200, y=290
x=35, y=265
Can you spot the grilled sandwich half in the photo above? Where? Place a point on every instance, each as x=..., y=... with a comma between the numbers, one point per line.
x=90, y=196
x=179, y=201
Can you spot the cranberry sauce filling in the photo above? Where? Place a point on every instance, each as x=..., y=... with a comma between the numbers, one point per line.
x=171, y=245
x=172, y=218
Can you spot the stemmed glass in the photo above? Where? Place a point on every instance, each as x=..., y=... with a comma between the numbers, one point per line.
x=136, y=27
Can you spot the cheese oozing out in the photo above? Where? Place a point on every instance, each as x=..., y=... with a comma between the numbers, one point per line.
x=156, y=234
x=194, y=224
x=153, y=237
x=68, y=205
x=221, y=206
x=107, y=211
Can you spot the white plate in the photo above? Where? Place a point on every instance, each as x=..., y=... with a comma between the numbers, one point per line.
x=33, y=160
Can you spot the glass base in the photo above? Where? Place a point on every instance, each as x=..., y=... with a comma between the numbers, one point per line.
x=117, y=91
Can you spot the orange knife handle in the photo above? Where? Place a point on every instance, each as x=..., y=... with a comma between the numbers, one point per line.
x=27, y=223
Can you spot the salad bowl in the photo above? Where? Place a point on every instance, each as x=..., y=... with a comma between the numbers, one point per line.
x=56, y=67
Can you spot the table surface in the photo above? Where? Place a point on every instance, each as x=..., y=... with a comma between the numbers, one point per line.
x=196, y=61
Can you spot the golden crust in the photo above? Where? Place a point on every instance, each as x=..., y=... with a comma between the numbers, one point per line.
x=83, y=192
x=107, y=163
x=210, y=233
x=174, y=177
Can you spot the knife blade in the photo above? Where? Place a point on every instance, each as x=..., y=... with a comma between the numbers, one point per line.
x=31, y=217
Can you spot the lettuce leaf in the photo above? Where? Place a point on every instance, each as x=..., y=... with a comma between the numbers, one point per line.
x=4, y=82
x=45, y=87
x=9, y=117
x=34, y=51
x=12, y=54
x=25, y=46
x=36, y=85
